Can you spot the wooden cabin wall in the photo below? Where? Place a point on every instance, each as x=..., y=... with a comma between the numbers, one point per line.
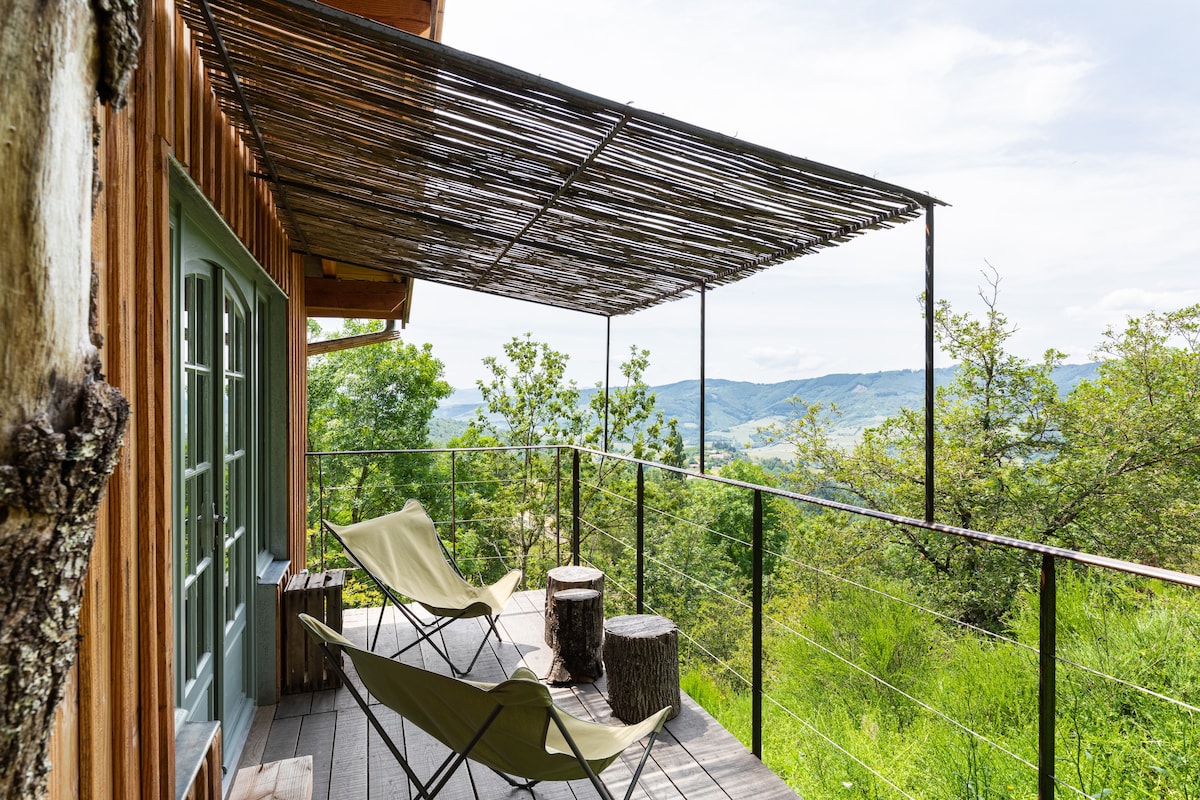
x=115, y=732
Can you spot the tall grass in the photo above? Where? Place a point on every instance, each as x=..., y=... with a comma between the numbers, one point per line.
x=872, y=698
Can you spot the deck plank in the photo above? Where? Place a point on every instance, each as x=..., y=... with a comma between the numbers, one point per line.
x=386, y=779
x=694, y=758
x=317, y=736
x=348, y=773
x=256, y=739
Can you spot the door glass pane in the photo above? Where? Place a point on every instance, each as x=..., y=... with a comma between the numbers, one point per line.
x=195, y=630
x=236, y=474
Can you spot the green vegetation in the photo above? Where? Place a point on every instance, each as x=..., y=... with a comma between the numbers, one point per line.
x=377, y=397
x=898, y=662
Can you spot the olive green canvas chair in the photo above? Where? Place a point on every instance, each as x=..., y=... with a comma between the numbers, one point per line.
x=512, y=727
x=402, y=553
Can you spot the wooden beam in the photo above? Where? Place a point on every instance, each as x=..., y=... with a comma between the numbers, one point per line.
x=326, y=297
x=410, y=16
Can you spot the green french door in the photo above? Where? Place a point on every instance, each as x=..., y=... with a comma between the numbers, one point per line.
x=218, y=475
x=217, y=542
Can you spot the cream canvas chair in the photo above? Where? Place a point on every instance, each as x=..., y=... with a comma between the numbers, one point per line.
x=513, y=727
x=402, y=554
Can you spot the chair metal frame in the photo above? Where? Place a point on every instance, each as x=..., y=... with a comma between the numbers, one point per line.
x=428, y=790
x=425, y=629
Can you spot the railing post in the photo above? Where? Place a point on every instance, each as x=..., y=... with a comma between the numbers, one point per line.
x=756, y=628
x=320, y=510
x=930, y=350
x=454, y=503
x=575, y=508
x=641, y=537
x=1047, y=646
x=558, y=506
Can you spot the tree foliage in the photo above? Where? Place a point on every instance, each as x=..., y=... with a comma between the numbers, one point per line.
x=375, y=397
x=529, y=403
x=1109, y=468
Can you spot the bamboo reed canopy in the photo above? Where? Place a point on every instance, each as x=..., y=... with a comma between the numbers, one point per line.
x=393, y=152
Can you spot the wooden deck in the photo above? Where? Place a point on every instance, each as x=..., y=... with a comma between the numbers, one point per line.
x=694, y=758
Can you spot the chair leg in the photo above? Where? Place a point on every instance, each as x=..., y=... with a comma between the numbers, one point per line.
x=422, y=789
x=470, y=666
x=637, y=773
x=432, y=628
x=427, y=636
x=587, y=768
x=379, y=622
x=526, y=785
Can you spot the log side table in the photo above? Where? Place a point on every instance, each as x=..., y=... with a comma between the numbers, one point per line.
x=578, y=634
x=641, y=654
x=568, y=577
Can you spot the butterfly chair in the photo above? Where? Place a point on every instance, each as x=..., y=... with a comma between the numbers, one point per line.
x=513, y=727
x=402, y=554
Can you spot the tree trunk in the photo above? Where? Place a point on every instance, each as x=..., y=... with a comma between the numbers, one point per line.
x=641, y=654
x=568, y=577
x=60, y=424
x=578, y=636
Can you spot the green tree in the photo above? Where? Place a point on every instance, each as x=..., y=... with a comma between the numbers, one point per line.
x=375, y=397
x=528, y=401
x=1126, y=480
x=1110, y=468
x=727, y=513
x=992, y=421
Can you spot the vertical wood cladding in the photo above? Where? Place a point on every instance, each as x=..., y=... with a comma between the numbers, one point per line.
x=115, y=732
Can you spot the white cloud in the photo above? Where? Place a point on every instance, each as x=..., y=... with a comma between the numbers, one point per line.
x=786, y=360
x=1043, y=124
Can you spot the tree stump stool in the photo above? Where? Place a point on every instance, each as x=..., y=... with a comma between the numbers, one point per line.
x=641, y=654
x=561, y=578
x=578, y=636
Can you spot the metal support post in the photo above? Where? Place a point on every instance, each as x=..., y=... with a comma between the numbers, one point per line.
x=607, y=366
x=558, y=506
x=1047, y=645
x=703, y=414
x=454, y=503
x=756, y=628
x=575, y=508
x=930, y=308
x=641, y=538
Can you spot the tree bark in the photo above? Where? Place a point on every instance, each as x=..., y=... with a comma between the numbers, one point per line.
x=578, y=636
x=60, y=424
x=568, y=577
x=641, y=654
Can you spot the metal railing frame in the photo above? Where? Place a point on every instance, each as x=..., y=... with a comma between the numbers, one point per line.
x=1050, y=555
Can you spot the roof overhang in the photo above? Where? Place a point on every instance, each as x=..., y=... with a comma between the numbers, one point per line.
x=394, y=153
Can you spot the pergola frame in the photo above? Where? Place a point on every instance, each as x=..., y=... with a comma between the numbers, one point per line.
x=398, y=154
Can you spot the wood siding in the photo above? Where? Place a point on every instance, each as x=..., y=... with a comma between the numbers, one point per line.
x=115, y=735
x=115, y=731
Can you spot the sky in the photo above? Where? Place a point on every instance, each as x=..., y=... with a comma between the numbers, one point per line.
x=1065, y=136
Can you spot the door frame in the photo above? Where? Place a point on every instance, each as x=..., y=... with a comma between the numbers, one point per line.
x=211, y=239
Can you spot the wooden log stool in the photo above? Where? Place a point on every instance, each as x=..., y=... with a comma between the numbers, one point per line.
x=578, y=632
x=569, y=577
x=641, y=654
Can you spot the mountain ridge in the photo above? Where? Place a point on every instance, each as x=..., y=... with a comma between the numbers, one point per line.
x=735, y=409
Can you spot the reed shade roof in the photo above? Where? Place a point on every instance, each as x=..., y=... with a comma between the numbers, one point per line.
x=394, y=152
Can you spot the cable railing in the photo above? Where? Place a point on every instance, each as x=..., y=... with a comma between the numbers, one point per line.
x=765, y=622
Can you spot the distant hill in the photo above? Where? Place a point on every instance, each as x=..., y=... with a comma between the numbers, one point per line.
x=736, y=409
